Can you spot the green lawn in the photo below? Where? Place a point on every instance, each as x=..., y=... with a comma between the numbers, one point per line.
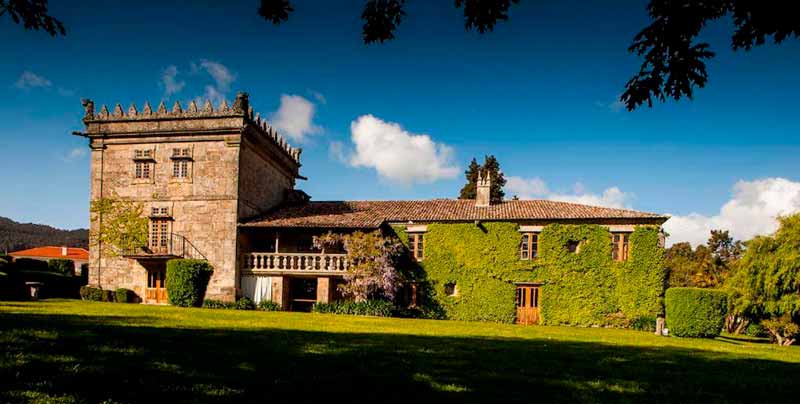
x=73, y=351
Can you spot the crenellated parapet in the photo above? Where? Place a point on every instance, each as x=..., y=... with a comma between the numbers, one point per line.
x=240, y=108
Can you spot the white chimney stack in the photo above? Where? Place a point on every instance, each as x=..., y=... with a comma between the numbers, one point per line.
x=64, y=251
x=483, y=192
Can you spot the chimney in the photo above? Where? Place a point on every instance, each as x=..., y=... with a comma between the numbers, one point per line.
x=64, y=251
x=483, y=190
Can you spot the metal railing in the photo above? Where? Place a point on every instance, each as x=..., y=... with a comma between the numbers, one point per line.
x=171, y=245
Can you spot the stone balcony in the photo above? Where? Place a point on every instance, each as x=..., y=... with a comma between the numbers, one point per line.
x=294, y=263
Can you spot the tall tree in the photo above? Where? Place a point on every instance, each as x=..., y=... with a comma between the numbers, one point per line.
x=498, y=180
x=707, y=266
x=33, y=15
x=765, y=285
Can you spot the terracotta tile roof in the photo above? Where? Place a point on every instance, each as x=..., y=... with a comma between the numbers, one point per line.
x=52, y=252
x=371, y=214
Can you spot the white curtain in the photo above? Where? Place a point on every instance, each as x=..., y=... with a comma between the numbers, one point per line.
x=257, y=288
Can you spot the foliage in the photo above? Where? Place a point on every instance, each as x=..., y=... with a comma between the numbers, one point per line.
x=245, y=304
x=374, y=307
x=587, y=288
x=381, y=18
x=218, y=304
x=498, y=181
x=756, y=330
x=268, y=305
x=123, y=295
x=16, y=236
x=108, y=296
x=33, y=15
x=674, y=62
x=644, y=323
x=187, y=280
x=121, y=225
x=784, y=329
x=372, y=257
x=764, y=286
x=62, y=266
x=695, y=312
x=29, y=264
x=708, y=265
x=91, y=293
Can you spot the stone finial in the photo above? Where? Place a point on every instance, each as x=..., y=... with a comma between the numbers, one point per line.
x=88, y=109
x=258, y=119
x=483, y=189
x=162, y=109
x=193, y=107
x=176, y=108
x=118, y=111
x=132, y=110
x=241, y=105
x=207, y=107
x=146, y=109
x=223, y=106
x=104, y=112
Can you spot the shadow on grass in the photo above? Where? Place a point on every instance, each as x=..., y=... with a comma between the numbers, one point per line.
x=76, y=358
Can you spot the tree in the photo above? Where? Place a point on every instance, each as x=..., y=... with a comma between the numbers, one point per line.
x=121, y=225
x=33, y=15
x=723, y=248
x=765, y=285
x=674, y=62
x=372, y=260
x=498, y=180
x=706, y=266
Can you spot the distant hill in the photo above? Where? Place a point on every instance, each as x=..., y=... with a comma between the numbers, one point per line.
x=16, y=236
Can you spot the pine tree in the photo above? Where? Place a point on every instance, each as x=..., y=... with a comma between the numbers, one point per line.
x=490, y=165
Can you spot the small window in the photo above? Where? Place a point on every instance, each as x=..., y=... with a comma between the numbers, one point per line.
x=619, y=246
x=451, y=289
x=142, y=170
x=159, y=211
x=180, y=168
x=416, y=245
x=529, y=246
x=573, y=246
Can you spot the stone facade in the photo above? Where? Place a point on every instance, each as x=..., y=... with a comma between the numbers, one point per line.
x=237, y=167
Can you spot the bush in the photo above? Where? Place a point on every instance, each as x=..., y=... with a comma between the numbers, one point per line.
x=756, y=330
x=644, y=323
x=30, y=264
x=379, y=308
x=245, y=304
x=695, y=312
x=108, y=296
x=187, y=280
x=269, y=305
x=61, y=266
x=91, y=293
x=218, y=304
x=123, y=295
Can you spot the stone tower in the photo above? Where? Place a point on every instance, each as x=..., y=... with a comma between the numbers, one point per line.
x=197, y=172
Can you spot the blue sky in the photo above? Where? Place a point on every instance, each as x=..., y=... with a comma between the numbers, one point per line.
x=539, y=93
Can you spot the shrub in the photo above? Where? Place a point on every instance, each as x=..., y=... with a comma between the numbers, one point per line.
x=187, y=280
x=29, y=264
x=269, y=305
x=91, y=293
x=644, y=323
x=695, y=312
x=756, y=330
x=218, y=304
x=245, y=304
x=108, y=295
x=61, y=266
x=123, y=295
x=379, y=308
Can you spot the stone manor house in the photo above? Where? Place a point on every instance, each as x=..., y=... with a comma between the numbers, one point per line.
x=218, y=183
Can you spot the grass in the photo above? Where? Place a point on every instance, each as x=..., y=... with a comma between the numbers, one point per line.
x=74, y=351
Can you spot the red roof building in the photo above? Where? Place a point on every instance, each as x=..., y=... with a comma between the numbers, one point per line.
x=78, y=255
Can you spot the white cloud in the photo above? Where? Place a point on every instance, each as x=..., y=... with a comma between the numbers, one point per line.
x=74, y=154
x=170, y=82
x=295, y=118
x=398, y=155
x=751, y=211
x=28, y=80
x=336, y=151
x=318, y=96
x=536, y=188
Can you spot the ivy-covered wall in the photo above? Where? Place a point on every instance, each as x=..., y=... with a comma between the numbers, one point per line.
x=584, y=288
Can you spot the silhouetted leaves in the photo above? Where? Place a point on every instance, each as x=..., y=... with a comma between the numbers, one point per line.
x=33, y=15
x=484, y=14
x=674, y=64
x=381, y=18
x=275, y=11
x=498, y=180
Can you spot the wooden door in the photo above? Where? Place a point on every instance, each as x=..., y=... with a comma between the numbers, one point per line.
x=159, y=235
x=527, y=304
x=156, y=291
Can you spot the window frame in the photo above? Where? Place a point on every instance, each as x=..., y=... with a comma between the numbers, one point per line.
x=531, y=241
x=416, y=245
x=620, y=245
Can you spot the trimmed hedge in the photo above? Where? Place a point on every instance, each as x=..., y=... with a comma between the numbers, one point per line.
x=122, y=295
x=695, y=312
x=29, y=264
x=378, y=308
x=187, y=280
x=62, y=266
x=91, y=293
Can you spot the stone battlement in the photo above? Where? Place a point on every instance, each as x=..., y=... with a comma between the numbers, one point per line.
x=240, y=108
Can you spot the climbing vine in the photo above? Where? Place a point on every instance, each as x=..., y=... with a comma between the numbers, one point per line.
x=121, y=225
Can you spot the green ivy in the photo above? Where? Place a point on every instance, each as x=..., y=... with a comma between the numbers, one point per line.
x=584, y=288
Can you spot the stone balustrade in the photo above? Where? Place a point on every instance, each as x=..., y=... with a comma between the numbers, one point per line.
x=295, y=262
